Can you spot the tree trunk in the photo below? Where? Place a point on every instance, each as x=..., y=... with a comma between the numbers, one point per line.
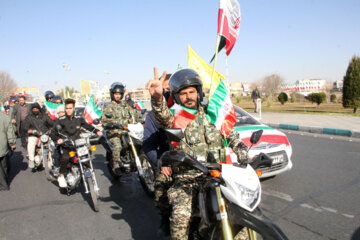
x=355, y=109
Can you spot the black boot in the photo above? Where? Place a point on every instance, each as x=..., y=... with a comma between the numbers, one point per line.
x=164, y=229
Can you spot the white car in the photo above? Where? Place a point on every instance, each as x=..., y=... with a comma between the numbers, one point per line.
x=273, y=142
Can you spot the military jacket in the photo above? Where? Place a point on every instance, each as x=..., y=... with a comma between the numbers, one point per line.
x=201, y=135
x=121, y=114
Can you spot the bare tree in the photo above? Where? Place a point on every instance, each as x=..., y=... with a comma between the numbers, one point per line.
x=271, y=85
x=7, y=85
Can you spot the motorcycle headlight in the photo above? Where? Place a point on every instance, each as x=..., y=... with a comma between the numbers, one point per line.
x=44, y=138
x=248, y=196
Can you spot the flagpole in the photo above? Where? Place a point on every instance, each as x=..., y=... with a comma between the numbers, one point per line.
x=215, y=60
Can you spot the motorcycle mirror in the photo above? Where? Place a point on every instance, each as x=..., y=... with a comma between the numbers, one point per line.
x=109, y=126
x=255, y=136
x=174, y=134
x=58, y=127
x=108, y=115
x=96, y=121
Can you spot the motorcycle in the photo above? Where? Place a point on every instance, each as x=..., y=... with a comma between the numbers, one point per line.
x=229, y=198
x=43, y=153
x=132, y=158
x=80, y=168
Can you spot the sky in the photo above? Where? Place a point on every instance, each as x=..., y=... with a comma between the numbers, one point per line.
x=117, y=40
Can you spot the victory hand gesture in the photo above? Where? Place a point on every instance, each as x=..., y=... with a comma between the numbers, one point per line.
x=155, y=86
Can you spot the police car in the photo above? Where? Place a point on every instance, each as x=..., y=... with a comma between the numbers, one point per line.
x=273, y=142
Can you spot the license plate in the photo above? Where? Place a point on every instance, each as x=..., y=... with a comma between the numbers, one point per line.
x=277, y=159
x=82, y=151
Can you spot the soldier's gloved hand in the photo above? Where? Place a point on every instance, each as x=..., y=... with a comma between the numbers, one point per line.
x=241, y=152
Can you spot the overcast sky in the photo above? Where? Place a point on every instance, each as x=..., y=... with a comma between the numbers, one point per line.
x=109, y=41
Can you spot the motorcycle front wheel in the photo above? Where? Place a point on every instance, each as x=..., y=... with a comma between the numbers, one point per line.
x=148, y=179
x=47, y=160
x=239, y=233
x=94, y=195
x=110, y=166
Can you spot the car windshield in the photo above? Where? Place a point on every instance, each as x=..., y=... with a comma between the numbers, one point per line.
x=243, y=118
x=79, y=111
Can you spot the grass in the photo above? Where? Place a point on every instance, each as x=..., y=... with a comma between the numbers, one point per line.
x=303, y=107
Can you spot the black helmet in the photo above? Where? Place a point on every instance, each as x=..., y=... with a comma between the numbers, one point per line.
x=117, y=87
x=55, y=98
x=182, y=79
x=48, y=95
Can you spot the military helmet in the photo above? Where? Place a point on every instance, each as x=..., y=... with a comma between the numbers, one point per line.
x=182, y=79
x=55, y=98
x=117, y=87
x=48, y=95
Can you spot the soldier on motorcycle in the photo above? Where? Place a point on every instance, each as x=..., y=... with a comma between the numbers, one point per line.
x=121, y=114
x=71, y=127
x=40, y=122
x=200, y=134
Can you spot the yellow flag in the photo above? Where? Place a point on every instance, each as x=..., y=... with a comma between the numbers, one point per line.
x=204, y=70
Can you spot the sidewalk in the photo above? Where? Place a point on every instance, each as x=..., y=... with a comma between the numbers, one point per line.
x=326, y=124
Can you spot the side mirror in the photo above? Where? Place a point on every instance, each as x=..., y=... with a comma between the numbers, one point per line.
x=255, y=136
x=58, y=127
x=174, y=134
x=96, y=121
x=108, y=115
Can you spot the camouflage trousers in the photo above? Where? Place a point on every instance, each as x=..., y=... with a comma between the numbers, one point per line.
x=183, y=198
x=162, y=185
x=117, y=147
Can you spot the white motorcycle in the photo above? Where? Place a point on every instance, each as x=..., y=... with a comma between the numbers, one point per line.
x=43, y=153
x=229, y=197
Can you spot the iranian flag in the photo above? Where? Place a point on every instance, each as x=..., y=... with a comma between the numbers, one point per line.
x=227, y=157
x=91, y=111
x=182, y=116
x=51, y=109
x=139, y=105
x=3, y=109
x=220, y=111
x=229, y=19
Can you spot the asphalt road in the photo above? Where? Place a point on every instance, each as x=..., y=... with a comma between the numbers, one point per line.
x=317, y=199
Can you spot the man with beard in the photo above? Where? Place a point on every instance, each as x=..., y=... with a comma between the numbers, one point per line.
x=200, y=134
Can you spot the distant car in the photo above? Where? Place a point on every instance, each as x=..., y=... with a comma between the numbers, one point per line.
x=273, y=142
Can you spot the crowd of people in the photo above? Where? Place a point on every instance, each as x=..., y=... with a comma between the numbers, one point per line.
x=175, y=189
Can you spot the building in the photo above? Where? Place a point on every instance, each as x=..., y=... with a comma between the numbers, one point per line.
x=338, y=85
x=306, y=86
x=139, y=94
x=236, y=88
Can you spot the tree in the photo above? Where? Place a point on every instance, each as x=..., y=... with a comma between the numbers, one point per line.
x=317, y=98
x=351, y=86
x=283, y=97
x=271, y=84
x=69, y=92
x=7, y=85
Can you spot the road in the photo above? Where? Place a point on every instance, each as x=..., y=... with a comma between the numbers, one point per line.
x=317, y=199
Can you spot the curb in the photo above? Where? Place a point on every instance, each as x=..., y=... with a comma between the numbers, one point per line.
x=329, y=131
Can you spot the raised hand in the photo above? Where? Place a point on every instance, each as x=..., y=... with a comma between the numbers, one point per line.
x=155, y=85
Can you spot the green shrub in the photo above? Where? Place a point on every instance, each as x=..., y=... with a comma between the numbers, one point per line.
x=293, y=97
x=333, y=98
x=283, y=98
x=238, y=99
x=317, y=98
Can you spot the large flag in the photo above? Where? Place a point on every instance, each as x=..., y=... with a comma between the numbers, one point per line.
x=204, y=70
x=182, y=117
x=228, y=24
x=220, y=110
x=51, y=109
x=91, y=111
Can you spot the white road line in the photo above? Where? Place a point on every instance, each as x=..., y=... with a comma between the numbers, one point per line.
x=348, y=215
x=280, y=195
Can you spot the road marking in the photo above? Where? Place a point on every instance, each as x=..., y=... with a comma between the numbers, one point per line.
x=348, y=215
x=280, y=195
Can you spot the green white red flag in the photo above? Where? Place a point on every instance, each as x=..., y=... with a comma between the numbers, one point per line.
x=227, y=157
x=51, y=109
x=139, y=105
x=3, y=109
x=220, y=110
x=182, y=116
x=228, y=24
x=91, y=111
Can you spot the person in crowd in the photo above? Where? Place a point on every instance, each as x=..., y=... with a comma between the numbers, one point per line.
x=7, y=144
x=18, y=116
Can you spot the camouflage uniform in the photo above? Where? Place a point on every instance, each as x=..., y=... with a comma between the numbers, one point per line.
x=208, y=143
x=121, y=114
